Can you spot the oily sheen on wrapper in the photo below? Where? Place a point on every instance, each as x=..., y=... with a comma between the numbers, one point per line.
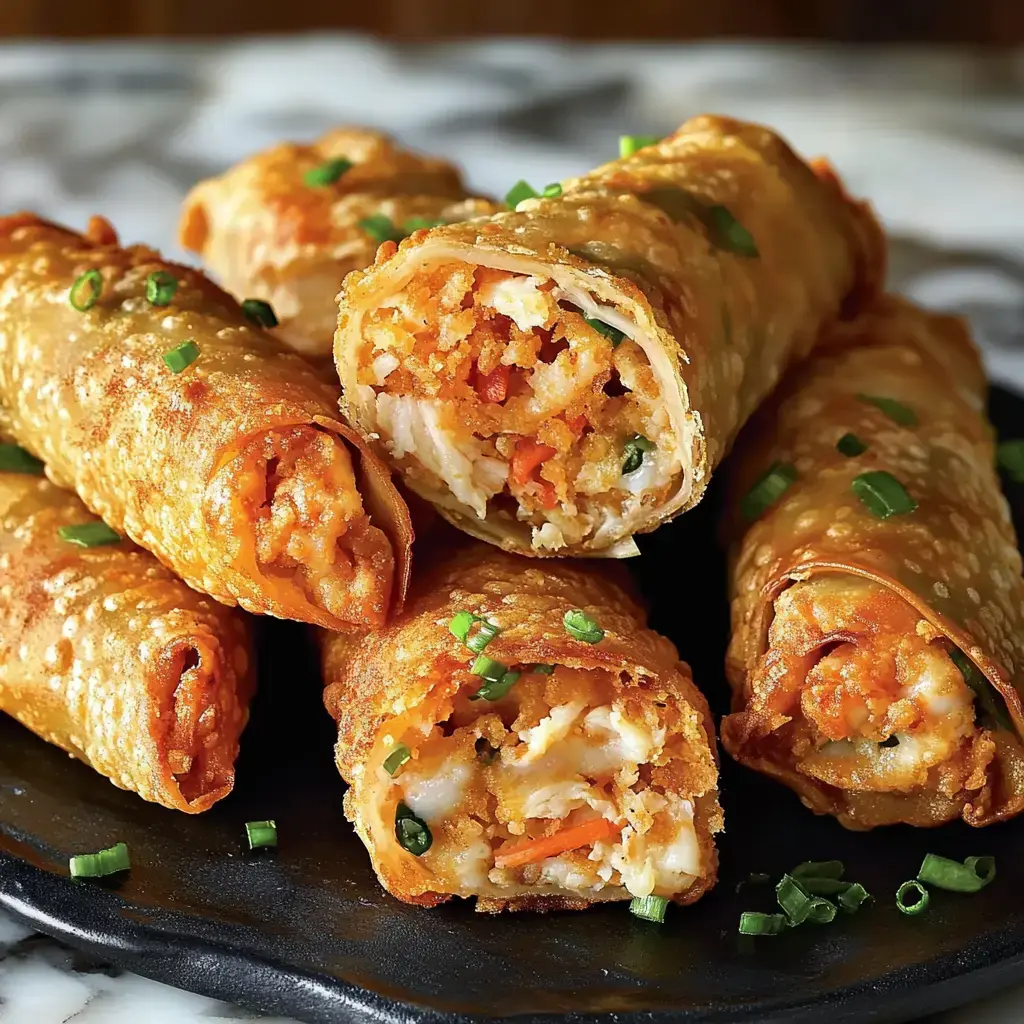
x=715, y=255
x=877, y=663
x=267, y=232
x=236, y=472
x=108, y=655
x=615, y=730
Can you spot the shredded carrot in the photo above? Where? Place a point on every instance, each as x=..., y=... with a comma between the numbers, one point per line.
x=571, y=838
x=493, y=386
x=527, y=457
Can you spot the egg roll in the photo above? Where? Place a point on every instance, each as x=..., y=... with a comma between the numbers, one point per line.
x=148, y=391
x=877, y=654
x=287, y=224
x=560, y=377
x=108, y=655
x=493, y=751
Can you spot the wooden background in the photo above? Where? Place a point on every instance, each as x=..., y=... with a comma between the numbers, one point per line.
x=989, y=22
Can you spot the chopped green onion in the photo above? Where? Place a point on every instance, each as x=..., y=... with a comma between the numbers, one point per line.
x=649, y=908
x=421, y=224
x=552, y=191
x=851, y=446
x=540, y=669
x=484, y=635
x=1010, y=458
x=259, y=312
x=613, y=334
x=971, y=876
x=381, y=229
x=86, y=290
x=728, y=233
x=488, y=668
x=411, y=832
x=261, y=834
x=182, y=356
x=896, y=411
x=819, y=869
x=98, y=865
x=496, y=689
x=629, y=144
x=990, y=701
x=327, y=173
x=518, y=192
x=461, y=624
x=775, y=482
x=14, y=459
x=882, y=494
x=396, y=758
x=160, y=288
x=89, y=535
x=854, y=896
x=916, y=905
x=754, y=923
x=633, y=450
x=580, y=626
x=799, y=905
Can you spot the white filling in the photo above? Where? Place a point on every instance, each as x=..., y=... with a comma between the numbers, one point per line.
x=435, y=791
x=519, y=299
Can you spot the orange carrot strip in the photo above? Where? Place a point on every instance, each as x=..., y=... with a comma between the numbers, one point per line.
x=493, y=386
x=571, y=838
x=526, y=457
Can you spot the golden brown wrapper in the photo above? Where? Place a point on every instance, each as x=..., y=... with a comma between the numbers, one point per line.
x=267, y=233
x=108, y=655
x=953, y=560
x=236, y=472
x=413, y=672
x=718, y=250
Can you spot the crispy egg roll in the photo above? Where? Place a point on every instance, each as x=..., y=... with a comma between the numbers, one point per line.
x=877, y=654
x=563, y=376
x=578, y=768
x=108, y=655
x=234, y=469
x=287, y=224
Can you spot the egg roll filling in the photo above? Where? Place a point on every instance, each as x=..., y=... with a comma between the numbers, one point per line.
x=514, y=396
x=565, y=786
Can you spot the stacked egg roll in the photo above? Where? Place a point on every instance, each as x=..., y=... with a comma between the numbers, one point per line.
x=877, y=657
x=562, y=376
x=519, y=735
x=288, y=224
x=174, y=416
x=108, y=655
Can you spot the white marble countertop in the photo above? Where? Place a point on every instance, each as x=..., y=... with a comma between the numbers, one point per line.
x=935, y=138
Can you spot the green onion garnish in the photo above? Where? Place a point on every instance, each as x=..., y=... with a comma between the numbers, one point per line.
x=541, y=669
x=990, y=701
x=327, y=173
x=552, y=191
x=853, y=897
x=971, y=876
x=919, y=901
x=753, y=923
x=775, y=482
x=259, y=312
x=160, y=288
x=1010, y=458
x=580, y=626
x=261, y=834
x=882, y=494
x=14, y=459
x=483, y=636
x=518, y=192
x=728, y=233
x=421, y=224
x=461, y=624
x=896, y=411
x=800, y=906
x=97, y=865
x=633, y=450
x=850, y=445
x=381, y=229
x=629, y=144
x=613, y=334
x=396, y=758
x=89, y=535
x=649, y=908
x=411, y=832
x=182, y=356
x=496, y=689
x=86, y=290
x=488, y=668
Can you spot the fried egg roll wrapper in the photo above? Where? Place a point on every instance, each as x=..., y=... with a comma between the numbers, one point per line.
x=593, y=778
x=108, y=655
x=235, y=472
x=267, y=232
x=877, y=657
x=560, y=377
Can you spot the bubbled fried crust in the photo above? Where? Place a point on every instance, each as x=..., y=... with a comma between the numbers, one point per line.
x=108, y=655
x=161, y=455
x=268, y=234
x=954, y=559
x=416, y=661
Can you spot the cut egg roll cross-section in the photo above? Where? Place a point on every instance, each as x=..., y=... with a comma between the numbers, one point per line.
x=520, y=736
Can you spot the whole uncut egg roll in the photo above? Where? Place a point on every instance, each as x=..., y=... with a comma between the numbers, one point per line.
x=108, y=655
x=147, y=390
x=877, y=655
x=558, y=378
x=519, y=735
x=287, y=224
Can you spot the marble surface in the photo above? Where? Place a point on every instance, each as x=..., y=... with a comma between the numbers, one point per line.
x=935, y=138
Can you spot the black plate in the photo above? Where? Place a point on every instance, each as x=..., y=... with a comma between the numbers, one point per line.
x=308, y=932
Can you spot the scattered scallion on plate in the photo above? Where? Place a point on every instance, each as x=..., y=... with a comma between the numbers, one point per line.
x=14, y=459
x=182, y=356
x=261, y=834
x=99, y=865
x=970, y=876
x=89, y=535
x=649, y=908
x=327, y=173
x=86, y=290
x=581, y=626
x=754, y=923
x=918, y=894
x=160, y=288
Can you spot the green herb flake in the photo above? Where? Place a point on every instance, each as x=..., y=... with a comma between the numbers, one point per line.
x=411, y=832
x=727, y=233
x=552, y=191
x=381, y=229
x=327, y=173
x=14, y=459
x=160, y=288
x=882, y=494
x=971, y=876
x=992, y=707
x=649, y=908
x=182, y=356
x=89, y=535
x=1010, y=459
x=754, y=923
x=99, y=865
x=259, y=313
x=633, y=452
x=261, y=834
x=581, y=627
x=414, y=224
x=629, y=144
x=519, y=192
x=851, y=446
x=396, y=758
x=613, y=334
x=896, y=411
x=918, y=901
x=86, y=290
x=767, y=491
